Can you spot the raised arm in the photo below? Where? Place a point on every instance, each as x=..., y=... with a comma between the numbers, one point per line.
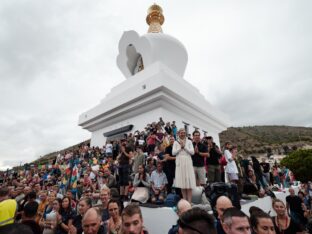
x=189, y=147
x=136, y=180
x=147, y=182
x=228, y=156
x=176, y=148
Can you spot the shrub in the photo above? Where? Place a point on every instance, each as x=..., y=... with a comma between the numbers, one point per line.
x=300, y=163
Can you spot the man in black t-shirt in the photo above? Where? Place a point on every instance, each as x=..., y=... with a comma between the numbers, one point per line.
x=124, y=168
x=168, y=128
x=29, y=217
x=265, y=170
x=169, y=164
x=200, y=153
x=294, y=207
x=213, y=165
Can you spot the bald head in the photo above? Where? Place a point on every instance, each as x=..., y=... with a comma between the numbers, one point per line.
x=92, y=213
x=183, y=206
x=222, y=204
x=291, y=191
x=91, y=221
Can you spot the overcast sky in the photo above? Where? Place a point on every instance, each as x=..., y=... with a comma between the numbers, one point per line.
x=251, y=59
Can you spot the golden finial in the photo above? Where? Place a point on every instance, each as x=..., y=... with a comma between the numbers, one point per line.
x=155, y=18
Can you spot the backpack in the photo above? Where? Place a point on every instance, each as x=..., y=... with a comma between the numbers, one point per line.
x=172, y=200
x=215, y=190
x=223, y=161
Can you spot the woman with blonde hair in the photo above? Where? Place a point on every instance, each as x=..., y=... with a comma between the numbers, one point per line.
x=282, y=222
x=50, y=220
x=184, y=173
x=48, y=208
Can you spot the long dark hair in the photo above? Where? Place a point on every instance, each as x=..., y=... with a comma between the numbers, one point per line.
x=118, y=204
x=254, y=218
x=144, y=172
x=68, y=209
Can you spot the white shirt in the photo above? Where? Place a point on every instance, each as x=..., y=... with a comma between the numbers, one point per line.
x=109, y=148
x=231, y=165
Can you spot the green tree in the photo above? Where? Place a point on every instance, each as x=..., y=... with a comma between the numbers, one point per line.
x=300, y=163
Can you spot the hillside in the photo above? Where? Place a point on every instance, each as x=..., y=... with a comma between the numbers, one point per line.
x=51, y=156
x=267, y=139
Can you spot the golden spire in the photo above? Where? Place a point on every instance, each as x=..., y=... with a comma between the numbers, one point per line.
x=155, y=18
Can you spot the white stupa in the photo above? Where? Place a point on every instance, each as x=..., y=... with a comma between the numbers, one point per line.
x=154, y=65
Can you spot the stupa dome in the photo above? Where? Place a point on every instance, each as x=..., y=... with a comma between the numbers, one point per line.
x=137, y=53
x=148, y=49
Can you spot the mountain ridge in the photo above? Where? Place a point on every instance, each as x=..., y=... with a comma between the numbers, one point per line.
x=261, y=139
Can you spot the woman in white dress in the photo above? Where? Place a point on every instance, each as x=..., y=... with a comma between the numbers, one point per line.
x=184, y=173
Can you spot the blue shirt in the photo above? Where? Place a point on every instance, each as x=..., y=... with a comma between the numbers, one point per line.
x=159, y=179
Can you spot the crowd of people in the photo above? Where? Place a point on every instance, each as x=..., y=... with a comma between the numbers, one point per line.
x=99, y=189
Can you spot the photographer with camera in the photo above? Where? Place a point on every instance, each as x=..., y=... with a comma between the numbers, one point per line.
x=212, y=162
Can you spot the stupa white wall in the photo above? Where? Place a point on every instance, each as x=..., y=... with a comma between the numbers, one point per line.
x=159, y=90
